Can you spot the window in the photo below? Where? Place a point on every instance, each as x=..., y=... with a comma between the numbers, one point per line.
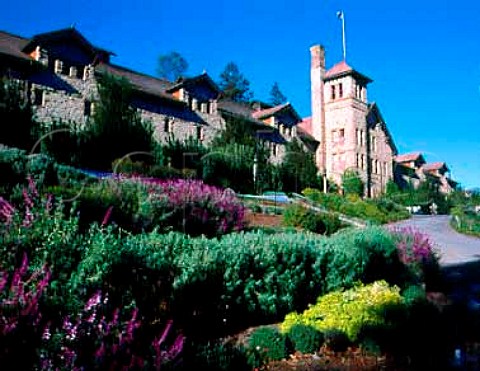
x=168, y=125
x=73, y=71
x=38, y=97
x=88, y=108
x=199, y=133
x=340, y=90
x=274, y=149
x=332, y=95
x=58, y=67
x=341, y=133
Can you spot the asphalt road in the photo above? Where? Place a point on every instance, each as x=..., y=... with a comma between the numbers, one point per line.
x=455, y=248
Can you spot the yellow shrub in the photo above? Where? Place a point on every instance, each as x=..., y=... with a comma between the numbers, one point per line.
x=348, y=311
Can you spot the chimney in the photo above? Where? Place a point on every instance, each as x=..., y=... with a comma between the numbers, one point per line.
x=317, y=74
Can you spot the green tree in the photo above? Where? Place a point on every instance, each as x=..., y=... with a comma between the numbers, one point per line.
x=17, y=124
x=171, y=66
x=116, y=129
x=298, y=170
x=237, y=131
x=276, y=96
x=234, y=85
x=392, y=188
x=352, y=183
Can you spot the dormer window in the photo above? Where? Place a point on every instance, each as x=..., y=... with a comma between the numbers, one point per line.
x=73, y=71
x=58, y=67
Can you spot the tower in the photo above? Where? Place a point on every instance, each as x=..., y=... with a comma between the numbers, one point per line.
x=317, y=76
x=346, y=132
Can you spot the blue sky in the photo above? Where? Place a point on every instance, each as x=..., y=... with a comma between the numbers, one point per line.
x=424, y=56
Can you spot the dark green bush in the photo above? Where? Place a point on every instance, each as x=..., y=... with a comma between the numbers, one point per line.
x=336, y=340
x=266, y=344
x=413, y=294
x=305, y=339
x=214, y=356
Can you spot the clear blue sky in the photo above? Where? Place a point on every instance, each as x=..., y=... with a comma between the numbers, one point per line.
x=424, y=56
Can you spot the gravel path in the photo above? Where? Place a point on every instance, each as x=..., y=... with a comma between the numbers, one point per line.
x=455, y=248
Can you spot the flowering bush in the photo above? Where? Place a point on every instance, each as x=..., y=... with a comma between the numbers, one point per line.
x=347, y=311
x=39, y=228
x=97, y=339
x=20, y=294
x=417, y=252
x=191, y=206
x=93, y=339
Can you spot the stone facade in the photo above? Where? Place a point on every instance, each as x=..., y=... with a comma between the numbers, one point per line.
x=351, y=131
x=62, y=70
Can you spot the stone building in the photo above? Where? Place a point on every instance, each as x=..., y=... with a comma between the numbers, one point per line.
x=351, y=130
x=62, y=69
x=411, y=170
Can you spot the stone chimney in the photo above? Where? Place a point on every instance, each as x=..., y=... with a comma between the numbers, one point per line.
x=317, y=74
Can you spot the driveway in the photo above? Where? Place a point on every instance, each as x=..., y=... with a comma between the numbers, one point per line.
x=455, y=248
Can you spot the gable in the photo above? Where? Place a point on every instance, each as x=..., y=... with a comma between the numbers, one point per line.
x=375, y=119
x=68, y=45
x=201, y=87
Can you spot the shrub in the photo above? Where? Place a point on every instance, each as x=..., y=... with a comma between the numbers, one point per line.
x=375, y=211
x=266, y=344
x=417, y=252
x=214, y=356
x=100, y=339
x=336, y=340
x=20, y=317
x=352, y=184
x=413, y=294
x=301, y=217
x=305, y=339
x=190, y=206
x=348, y=311
x=245, y=278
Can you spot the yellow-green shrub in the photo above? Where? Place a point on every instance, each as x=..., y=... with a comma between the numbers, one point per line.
x=348, y=311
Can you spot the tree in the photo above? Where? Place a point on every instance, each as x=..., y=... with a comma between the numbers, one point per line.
x=234, y=85
x=392, y=188
x=298, y=170
x=276, y=96
x=171, y=66
x=117, y=129
x=352, y=184
x=16, y=115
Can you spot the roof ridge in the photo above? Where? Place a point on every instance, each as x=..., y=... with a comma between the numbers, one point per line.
x=127, y=69
x=15, y=35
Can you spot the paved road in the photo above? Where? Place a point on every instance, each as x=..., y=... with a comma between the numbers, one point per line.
x=455, y=248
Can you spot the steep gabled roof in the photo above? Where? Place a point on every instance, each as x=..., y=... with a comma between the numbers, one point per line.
x=306, y=125
x=12, y=45
x=408, y=157
x=69, y=33
x=141, y=82
x=268, y=112
x=343, y=69
x=435, y=166
x=374, y=117
x=189, y=81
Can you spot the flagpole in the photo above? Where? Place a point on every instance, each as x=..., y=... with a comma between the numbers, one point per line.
x=341, y=15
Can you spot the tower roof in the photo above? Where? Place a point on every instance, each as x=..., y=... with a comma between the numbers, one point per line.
x=343, y=69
